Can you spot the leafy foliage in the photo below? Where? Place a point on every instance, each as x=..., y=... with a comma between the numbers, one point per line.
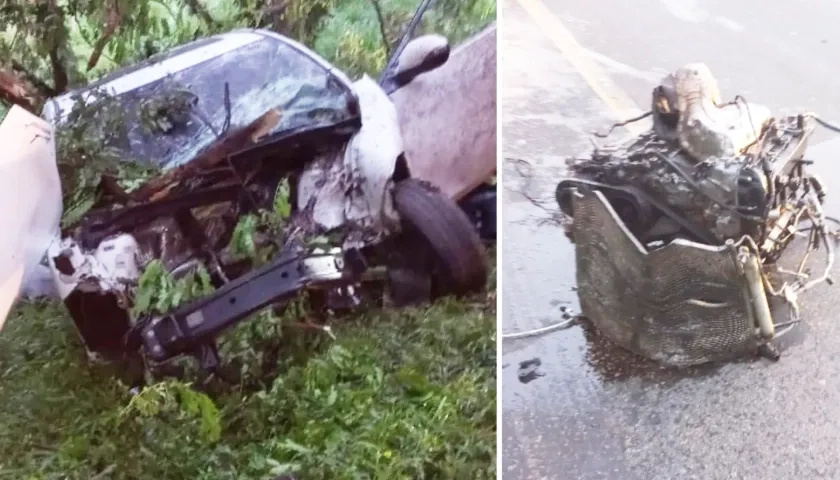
x=256, y=237
x=45, y=41
x=158, y=291
x=180, y=404
x=400, y=394
x=362, y=50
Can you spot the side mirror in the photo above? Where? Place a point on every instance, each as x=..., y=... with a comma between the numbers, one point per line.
x=420, y=55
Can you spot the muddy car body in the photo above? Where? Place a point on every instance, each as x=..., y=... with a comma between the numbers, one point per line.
x=236, y=115
x=680, y=232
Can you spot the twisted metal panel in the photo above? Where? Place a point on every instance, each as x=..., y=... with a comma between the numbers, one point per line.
x=682, y=304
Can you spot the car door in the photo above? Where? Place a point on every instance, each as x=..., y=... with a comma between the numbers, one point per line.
x=448, y=118
x=30, y=192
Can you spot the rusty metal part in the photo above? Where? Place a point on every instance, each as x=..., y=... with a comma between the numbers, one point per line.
x=760, y=307
x=706, y=128
x=681, y=304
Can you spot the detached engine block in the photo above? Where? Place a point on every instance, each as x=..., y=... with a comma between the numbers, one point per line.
x=706, y=172
x=678, y=231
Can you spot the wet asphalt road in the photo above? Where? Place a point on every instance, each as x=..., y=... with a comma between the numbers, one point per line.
x=591, y=411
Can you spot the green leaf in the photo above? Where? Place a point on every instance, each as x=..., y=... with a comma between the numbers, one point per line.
x=291, y=446
x=282, y=203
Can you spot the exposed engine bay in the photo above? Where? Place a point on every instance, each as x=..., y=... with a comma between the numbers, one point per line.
x=333, y=233
x=726, y=179
x=303, y=200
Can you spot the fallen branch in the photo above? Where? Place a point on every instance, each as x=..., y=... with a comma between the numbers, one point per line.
x=215, y=155
x=200, y=11
x=43, y=87
x=114, y=20
x=382, y=30
x=16, y=90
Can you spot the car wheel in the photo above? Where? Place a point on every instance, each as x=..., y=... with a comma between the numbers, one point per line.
x=436, y=218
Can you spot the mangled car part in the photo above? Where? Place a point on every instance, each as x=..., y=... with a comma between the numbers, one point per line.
x=349, y=180
x=679, y=231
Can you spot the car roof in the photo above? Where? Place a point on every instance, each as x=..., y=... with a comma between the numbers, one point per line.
x=201, y=72
x=172, y=61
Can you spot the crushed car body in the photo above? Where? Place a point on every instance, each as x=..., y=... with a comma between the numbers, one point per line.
x=680, y=232
x=298, y=132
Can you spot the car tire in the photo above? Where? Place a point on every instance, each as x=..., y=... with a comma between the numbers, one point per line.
x=457, y=247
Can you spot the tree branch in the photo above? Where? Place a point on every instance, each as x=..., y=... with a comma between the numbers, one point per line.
x=43, y=87
x=200, y=11
x=20, y=86
x=14, y=89
x=113, y=22
x=60, y=77
x=273, y=9
x=271, y=15
x=382, y=31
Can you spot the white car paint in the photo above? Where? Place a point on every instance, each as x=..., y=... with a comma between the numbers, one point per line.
x=112, y=267
x=355, y=186
x=32, y=202
x=57, y=109
x=416, y=51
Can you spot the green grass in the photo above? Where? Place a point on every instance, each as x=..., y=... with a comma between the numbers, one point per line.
x=401, y=393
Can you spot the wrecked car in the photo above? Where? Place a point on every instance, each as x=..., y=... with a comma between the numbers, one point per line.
x=680, y=231
x=237, y=124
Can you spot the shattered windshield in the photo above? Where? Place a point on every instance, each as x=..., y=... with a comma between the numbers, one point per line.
x=169, y=119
